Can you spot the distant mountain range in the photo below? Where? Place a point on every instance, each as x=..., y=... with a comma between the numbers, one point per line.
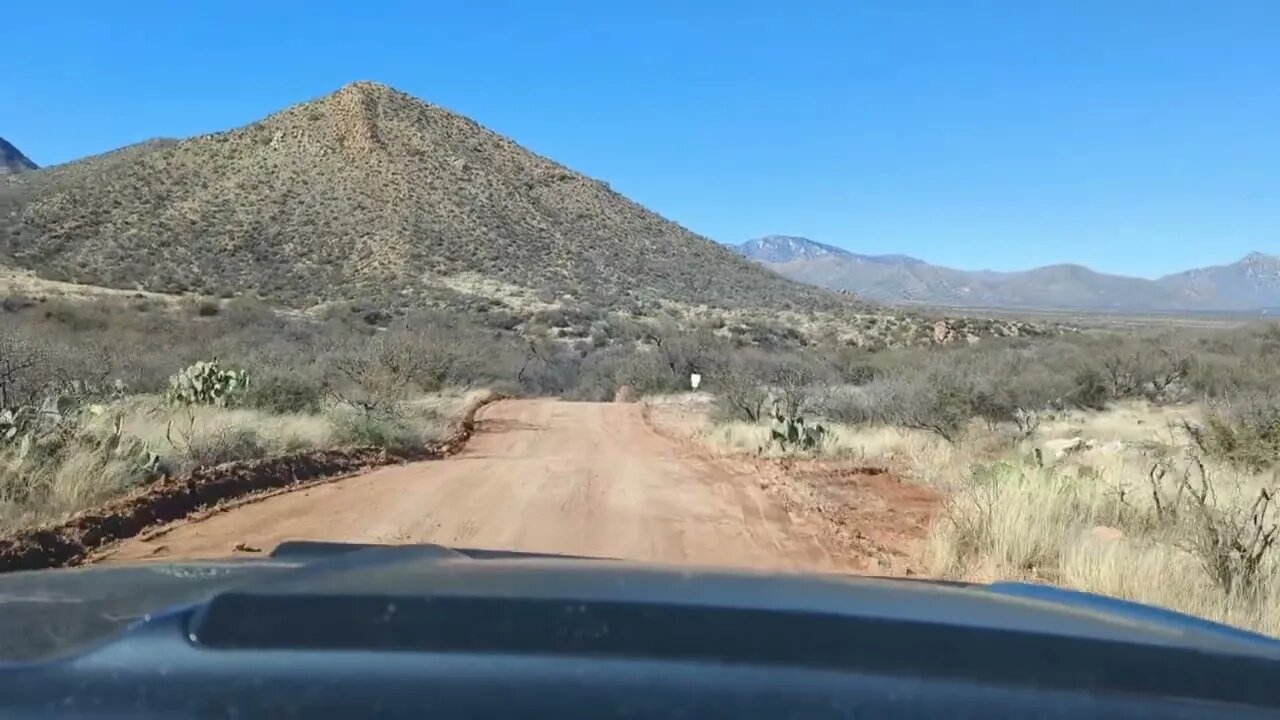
x=1252, y=284
x=12, y=160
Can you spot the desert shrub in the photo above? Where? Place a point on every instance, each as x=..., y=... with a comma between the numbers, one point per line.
x=751, y=384
x=356, y=376
x=1168, y=372
x=740, y=383
x=16, y=303
x=285, y=392
x=502, y=319
x=796, y=380
x=1242, y=430
x=1237, y=362
x=367, y=429
x=1012, y=385
x=1090, y=391
x=849, y=404
x=418, y=354
x=434, y=350
x=938, y=398
x=17, y=360
x=553, y=317
x=1146, y=368
x=1230, y=530
x=599, y=335
x=856, y=367
x=575, y=317
x=642, y=369
x=124, y=346
x=770, y=335
x=1001, y=382
x=684, y=352
x=548, y=368
x=34, y=365
x=219, y=445
x=621, y=327
x=1216, y=376
x=79, y=316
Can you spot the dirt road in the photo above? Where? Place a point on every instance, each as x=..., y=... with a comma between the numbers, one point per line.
x=539, y=475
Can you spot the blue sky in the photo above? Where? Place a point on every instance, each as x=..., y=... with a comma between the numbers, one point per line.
x=1134, y=136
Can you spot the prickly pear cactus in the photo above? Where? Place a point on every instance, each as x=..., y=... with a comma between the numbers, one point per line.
x=205, y=383
x=792, y=434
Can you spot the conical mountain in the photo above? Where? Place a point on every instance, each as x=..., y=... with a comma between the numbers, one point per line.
x=367, y=193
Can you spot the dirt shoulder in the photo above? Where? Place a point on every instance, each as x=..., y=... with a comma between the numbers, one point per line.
x=874, y=518
x=148, y=511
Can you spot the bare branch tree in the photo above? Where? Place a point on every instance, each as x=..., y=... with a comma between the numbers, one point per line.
x=740, y=384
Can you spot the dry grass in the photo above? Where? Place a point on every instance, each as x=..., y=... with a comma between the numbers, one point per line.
x=1162, y=575
x=913, y=450
x=16, y=282
x=1090, y=522
x=1087, y=521
x=515, y=296
x=83, y=466
x=161, y=426
x=1015, y=520
x=1134, y=422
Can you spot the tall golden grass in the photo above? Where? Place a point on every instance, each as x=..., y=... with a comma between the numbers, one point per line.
x=83, y=466
x=1085, y=520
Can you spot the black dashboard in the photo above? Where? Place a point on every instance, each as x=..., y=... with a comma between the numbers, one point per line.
x=327, y=631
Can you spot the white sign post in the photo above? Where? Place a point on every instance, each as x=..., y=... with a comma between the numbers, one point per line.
x=695, y=380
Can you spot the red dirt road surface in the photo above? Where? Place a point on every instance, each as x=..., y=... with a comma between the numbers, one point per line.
x=589, y=479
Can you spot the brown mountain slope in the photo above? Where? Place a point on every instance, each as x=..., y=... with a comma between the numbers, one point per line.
x=12, y=160
x=367, y=193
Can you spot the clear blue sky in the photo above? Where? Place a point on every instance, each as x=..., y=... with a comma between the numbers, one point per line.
x=1134, y=136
